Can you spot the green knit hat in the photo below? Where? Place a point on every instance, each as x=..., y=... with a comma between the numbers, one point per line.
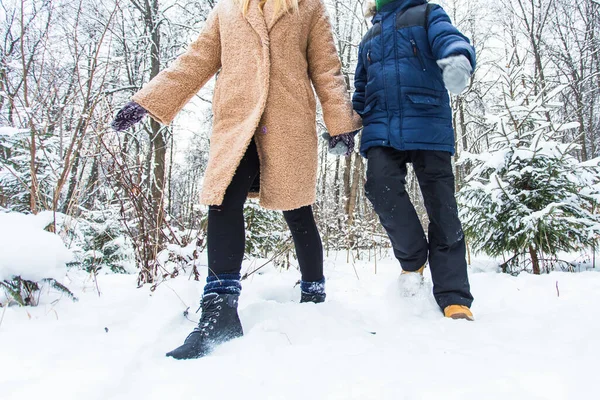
x=381, y=3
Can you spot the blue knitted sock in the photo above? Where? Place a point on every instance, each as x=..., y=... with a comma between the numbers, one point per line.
x=223, y=284
x=317, y=287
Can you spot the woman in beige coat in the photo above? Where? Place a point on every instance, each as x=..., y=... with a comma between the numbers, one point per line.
x=264, y=141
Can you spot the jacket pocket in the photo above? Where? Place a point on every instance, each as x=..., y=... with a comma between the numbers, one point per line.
x=424, y=100
x=368, y=108
x=417, y=53
x=370, y=104
x=310, y=96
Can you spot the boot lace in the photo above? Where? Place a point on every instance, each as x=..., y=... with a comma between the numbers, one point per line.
x=211, y=310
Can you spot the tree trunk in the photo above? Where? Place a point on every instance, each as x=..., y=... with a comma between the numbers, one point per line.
x=33, y=189
x=347, y=173
x=464, y=171
x=72, y=183
x=158, y=140
x=354, y=188
x=535, y=262
x=158, y=184
x=92, y=184
x=336, y=185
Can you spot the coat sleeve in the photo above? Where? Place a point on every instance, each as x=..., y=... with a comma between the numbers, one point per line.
x=325, y=72
x=360, y=84
x=445, y=39
x=165, y=95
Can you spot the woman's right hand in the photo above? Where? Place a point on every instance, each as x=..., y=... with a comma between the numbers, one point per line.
x=128, y=116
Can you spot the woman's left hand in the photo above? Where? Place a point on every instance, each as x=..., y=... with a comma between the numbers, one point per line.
x=341, y=144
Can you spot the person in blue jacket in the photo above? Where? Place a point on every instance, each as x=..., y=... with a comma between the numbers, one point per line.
x=407, y=63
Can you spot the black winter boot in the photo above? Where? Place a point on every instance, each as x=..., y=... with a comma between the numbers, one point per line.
x=312, y=292
x=312, y=297
x=219, y=323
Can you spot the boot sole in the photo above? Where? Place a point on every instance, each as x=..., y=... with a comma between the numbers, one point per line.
x=201, y=354
x=462, y=316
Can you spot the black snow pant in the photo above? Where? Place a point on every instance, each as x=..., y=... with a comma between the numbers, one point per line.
x=385, y=188
x=226, y=232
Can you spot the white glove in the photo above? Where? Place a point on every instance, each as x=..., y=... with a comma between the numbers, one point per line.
x=456, y=72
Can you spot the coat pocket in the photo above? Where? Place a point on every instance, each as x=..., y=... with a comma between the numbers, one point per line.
x=310, y=97
x=425, y=105
x=417, y=53
x=370, y=105
x=368, y=108
x=424, y=100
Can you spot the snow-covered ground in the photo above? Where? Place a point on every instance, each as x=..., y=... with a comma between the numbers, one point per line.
x=366, y=342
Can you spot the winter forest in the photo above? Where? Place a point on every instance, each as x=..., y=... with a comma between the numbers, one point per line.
x=102, y=233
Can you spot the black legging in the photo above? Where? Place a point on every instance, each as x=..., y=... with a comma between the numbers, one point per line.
x=226, y=234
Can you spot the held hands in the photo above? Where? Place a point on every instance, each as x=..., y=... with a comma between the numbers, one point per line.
x=456, y=72
x=129, y=115
x=342, y=144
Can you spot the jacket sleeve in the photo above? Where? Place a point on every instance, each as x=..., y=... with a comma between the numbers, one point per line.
x=445, y=39
x=325, y=71
x=360, y=84
x=165, y=95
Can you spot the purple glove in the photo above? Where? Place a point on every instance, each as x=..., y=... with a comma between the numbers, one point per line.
x=342, y=144
x=128, y=116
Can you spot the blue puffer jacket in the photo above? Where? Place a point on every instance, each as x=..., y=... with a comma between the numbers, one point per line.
x=400, y=93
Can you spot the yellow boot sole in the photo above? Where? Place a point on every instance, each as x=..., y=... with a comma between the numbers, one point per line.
x=458, y=312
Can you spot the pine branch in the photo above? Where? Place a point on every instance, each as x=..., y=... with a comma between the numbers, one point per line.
x=60, y=287
x=14, y=291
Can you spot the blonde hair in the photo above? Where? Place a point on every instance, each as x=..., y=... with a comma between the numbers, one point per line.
x=278, y=6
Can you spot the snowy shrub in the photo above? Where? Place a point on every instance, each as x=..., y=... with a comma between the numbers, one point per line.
x=182, y=253
x=23, y=292
x=267, y=236
x=528, y=197
x=99, y=241
x=30, y=257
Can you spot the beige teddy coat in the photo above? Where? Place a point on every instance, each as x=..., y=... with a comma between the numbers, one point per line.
x=266, y=63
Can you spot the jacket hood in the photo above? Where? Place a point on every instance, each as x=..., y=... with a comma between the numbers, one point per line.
x=370, y=9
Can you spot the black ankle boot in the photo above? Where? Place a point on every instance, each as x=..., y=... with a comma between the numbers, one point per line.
x=219, y=323
x=312, y=297
x=312, y=291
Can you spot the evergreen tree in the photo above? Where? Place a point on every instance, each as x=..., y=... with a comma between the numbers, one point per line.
x=265, y=230
x=99, y=240
x=528, y=196
x=15, y=168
